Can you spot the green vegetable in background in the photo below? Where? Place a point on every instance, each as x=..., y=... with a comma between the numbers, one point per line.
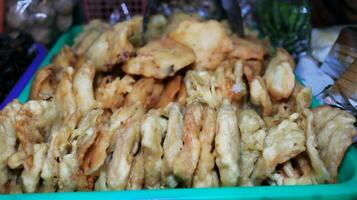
x=286, y=23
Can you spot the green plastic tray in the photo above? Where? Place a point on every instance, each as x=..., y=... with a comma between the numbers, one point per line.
x=346, y=188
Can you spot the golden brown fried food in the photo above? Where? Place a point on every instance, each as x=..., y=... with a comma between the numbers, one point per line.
x=227, y=145
x=70, y=175
x=64, y=94
x=126, y=146
x=279, y=75
x=318, y=167
x=65, y=58
x=259, y=95
x=185, y=163
x=172, y=144
x=56, y=151
x=283, y=142
x=44, y=84
x=205, y=175
x=8, y=138
x=200, y=86
x=31, y=174
x=154, y=97
x=101, y=182
x=146, y=91
x=171, y=89
x=160, y=59
x=113, y=45
x=83, y=87
x=86, y=132
x=252, y=129
x=31, y=122
x=210, y=49
x=247, y=48
x=96, y=154
x=252, y=68
x=334, y=129
x=110, y=93
x=137, y=173
x=152, y=129
x=90, y=33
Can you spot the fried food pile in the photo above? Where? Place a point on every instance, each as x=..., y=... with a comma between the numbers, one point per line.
x=194, y=107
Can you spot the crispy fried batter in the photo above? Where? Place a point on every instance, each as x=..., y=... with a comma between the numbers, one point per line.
x=83, y=87
x=248, y=48
x=44, y=84
x=56, y=150
x=171, y=89
x=227, y=145
x=334, y=129
x=252, y=129
x=172, y=144
x=90, y=33
x=259, y=95
x=137, y=173
x=126, y=145
x=279, y=76
x=210, y=49
x=64, y=95
x=8, y=138
x=65, y=58
x=110, y=94
x=185, y=163
x=205, y=175
x=283, y=142
x=141, y=90
x=31, y=174
x=152, y=131
x=113, y=45
x=160, y=59
x=319, y=168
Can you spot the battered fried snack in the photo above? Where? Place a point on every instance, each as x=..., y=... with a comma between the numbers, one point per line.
x=173, y=86
x=142, y=92
x=8, y=138
x=248, y=48
x=283, y=142
x=91, y=126
x=113, y=45
x=160, y=59
x=126, y=146
x=205, y=175
x=259, y=95
x=172, y=144
x=137, y=173
x=185, y=163
x=253, y=133
x=152, y=129
x=227, y=145
x=83, y=87
x=279, y=75
x=65, y=58
x=110, y=93
x=210, y=49
x=90, y=33
x=44, y=84
x=334, y=129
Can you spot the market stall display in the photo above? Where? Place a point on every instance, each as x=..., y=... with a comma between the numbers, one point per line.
x=211, y=118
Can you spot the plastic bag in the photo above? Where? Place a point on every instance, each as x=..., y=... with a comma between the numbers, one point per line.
x=43, y=19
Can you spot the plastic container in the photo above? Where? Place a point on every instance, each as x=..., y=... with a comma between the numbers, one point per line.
x=102, y=9
x=26, y=76
x=346, y=188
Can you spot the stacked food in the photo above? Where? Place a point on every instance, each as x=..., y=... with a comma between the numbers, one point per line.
x=196, y=106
